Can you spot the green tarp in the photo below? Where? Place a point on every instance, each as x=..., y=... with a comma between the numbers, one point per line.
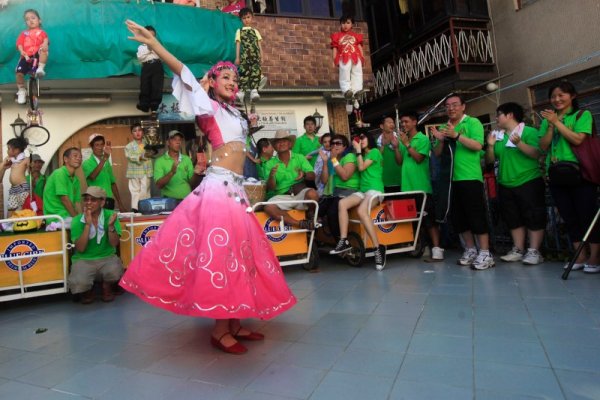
x=88, y=38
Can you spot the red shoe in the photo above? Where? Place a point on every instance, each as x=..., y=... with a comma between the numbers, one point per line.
x=249, y=336
x=236, y=348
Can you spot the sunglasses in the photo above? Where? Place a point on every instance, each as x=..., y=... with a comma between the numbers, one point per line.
x=337, y=143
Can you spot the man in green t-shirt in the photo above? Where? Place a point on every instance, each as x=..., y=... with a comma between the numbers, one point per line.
x=99, y=172
x=35, y=178
x=414, y=158
x=287, y=176
x=174, y=170
x=308, y=144
x=62, y=195
x=468, y=208
x=521, y=187
x=96, y=234
x=388, y=144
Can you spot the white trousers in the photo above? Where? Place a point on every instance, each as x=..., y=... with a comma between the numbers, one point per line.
x=351, y=77
x=139, y=189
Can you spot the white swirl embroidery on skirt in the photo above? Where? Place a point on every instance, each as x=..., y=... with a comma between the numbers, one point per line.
x=185, y=238
x=220, y=237
x=266, y=248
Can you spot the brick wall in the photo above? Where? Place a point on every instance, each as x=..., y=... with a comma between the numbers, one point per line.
x=297, y=52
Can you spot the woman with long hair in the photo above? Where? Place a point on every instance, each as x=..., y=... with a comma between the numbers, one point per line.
x=211, y=258
x=564, y=127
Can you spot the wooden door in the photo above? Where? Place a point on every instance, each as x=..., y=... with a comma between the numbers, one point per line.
x=119, y=136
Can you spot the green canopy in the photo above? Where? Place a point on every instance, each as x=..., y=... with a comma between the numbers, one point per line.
x=88, y=38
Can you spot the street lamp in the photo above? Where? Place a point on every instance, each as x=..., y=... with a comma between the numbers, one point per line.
x=319, y=119
x=18, y=126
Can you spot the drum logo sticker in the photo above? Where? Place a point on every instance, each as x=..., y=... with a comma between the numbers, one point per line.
x=21, y=247
x=273, y=231
x=380, y=217
x=146, y=235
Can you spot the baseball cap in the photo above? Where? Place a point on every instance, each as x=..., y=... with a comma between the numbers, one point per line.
x=36, y=157
x=94, y=136
x=96, y=191
x=175, y=132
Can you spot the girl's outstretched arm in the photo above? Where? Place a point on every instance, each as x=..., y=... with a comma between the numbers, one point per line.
x=142, y=35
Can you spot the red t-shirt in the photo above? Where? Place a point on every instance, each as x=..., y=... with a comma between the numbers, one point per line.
x=31, y=40
x=234, y=8
x=347, y=44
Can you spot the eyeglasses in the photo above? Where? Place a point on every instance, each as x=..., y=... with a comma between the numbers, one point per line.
x=337, y=143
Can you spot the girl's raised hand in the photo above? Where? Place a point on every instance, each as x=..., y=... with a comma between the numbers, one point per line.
x=140, y=34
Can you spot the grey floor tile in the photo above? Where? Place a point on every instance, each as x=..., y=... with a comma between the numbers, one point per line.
x=410, y=390
x=451, y=327
x=285, y=331
x=492, y=395
x=570, y=356
x=449, y=371
x=288, y=380
x=579, y=385
x=250, y=395
x=356, y=306
x=348, y=386
x=510, y=351
x=17, y=390
x=55, y=373
x=369, y=362
x=569, y=334
x=143, y=386
x=24, y=364
x=95, y=381
x=229, y=370
x=511, y=380
x=329, y=336
x=441, y=345
x=395, y=340
x=182, y=363
x=310, y=355
x=522, y=332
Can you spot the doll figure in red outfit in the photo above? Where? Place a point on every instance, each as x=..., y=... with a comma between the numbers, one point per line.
x=348, y=56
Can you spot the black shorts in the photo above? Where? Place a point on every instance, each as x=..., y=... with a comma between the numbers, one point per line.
x=468, y=207
x=24, y=66
x=429, y=218
x=524, y=205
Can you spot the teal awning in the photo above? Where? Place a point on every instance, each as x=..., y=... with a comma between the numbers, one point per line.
x=88, y=38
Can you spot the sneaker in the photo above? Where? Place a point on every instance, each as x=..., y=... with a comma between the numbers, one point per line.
x=468, y=257
x=40, y=73
x=356, y=104
x=483, y=261
x=21, y=96
x=342, y=247
x=380, y=258
x=591, y=269
x=254, y=96
x=513, y=255
x=240, y=96
x=576, y=266
x=532, y=257
x=437, y=253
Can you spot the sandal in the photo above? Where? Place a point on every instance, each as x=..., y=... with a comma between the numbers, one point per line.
x=248, y=336
x=236, y=348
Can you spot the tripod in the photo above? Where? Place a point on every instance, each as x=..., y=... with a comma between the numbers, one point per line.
x=565, y=274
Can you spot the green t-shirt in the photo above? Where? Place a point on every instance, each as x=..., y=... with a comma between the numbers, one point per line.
x=516, y=168
x=94, y=250
x=467, y=163
x=354, y=181
x=416, y=176
x=305, y=145
x=104, y=179
x=392, y=171
x=560, y=149
x=39, y=185
x=372, y=177
x=60, y=183
x=285, y=177
x=179, y=185
x=264, y=169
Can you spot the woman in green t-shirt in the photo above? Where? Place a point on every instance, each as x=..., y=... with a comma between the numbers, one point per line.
x=341, y=181
x=370, y=166
x=563, y=127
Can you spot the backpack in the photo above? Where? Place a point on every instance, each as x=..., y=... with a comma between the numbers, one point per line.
x=588, y=154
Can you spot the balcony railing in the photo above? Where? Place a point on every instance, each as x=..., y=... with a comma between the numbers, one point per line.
x=460, y=44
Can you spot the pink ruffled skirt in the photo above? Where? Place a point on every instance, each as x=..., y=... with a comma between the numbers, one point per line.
x=211, y=258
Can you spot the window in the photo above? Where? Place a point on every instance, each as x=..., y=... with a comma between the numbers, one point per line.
x=311, y=8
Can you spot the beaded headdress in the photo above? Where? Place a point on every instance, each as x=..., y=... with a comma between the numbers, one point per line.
x=216, y=69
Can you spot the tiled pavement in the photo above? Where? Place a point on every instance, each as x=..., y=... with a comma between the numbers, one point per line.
x=413, y=331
